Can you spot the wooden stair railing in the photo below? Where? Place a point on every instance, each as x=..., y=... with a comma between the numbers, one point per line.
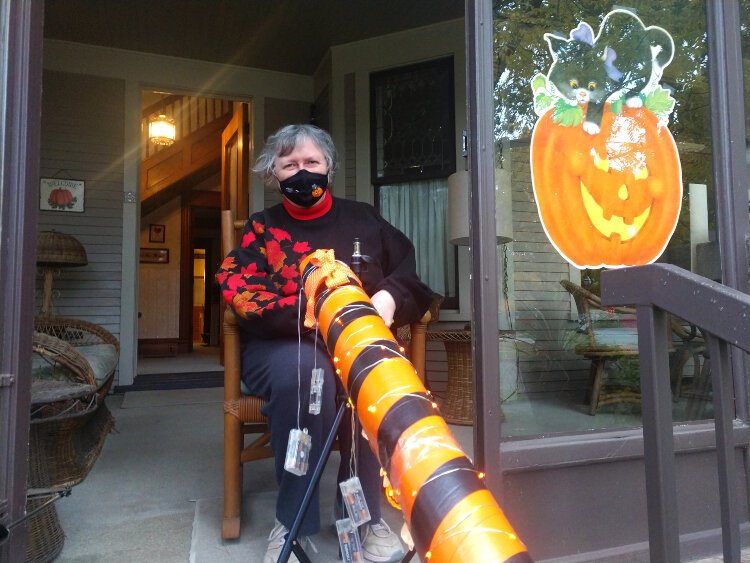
x=166, y=172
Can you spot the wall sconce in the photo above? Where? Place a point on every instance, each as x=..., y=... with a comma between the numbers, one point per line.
x=162, y=130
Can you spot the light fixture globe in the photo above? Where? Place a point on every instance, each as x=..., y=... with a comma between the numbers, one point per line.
x=162, y=130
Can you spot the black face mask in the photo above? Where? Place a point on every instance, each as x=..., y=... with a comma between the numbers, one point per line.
x=304, y=188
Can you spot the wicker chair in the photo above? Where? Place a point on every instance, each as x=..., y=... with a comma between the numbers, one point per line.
x=96, y=344
x=609, y=334
x=242, y=413
x=604, y=337
x=73, y=364
x=73, y=367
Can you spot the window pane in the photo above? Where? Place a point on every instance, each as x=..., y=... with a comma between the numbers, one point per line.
x=412, y=131
x=603, y=159
x=420, y=211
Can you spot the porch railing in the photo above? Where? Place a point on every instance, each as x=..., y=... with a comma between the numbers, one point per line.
x=723, y=314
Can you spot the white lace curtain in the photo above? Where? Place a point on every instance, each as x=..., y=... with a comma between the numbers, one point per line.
x=420, y=210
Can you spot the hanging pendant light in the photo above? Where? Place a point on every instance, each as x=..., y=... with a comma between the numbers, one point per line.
x=161, y=130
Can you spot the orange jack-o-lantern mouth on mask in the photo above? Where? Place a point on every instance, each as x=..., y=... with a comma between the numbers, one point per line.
x=611, y=199
x=317, y=192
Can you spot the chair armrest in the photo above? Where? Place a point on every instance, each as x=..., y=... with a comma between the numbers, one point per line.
x=53, y=351
x=231, y=356
x=418, y=343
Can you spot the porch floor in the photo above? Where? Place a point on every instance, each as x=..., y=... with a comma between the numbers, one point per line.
x=155, y=493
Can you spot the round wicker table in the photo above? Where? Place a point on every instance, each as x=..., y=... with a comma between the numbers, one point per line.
x=458, y=405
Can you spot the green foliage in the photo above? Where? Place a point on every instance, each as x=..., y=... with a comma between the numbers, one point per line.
x=659, y=102
x=567, y=115
x=522, y=59
x=616, y=106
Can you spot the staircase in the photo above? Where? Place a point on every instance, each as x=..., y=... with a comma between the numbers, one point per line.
x=167, y=172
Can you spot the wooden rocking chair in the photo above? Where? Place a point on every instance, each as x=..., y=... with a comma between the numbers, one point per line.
x=242, y=413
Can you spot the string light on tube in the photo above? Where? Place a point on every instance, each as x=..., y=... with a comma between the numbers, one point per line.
x=450, y=514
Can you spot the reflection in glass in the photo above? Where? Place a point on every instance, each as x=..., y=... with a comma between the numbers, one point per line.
x=573, y=365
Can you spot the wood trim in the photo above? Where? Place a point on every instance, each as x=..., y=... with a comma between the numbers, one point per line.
x=186, y=274
x=179, y=167
x=204, y=199
x=162, y=347
x=157, y=106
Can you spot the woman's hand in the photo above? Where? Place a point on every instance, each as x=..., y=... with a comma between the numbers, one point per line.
x=385, y=306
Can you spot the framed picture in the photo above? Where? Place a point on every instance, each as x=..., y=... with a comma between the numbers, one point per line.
x=155, y=255
x=156, y=233
x=56, y=194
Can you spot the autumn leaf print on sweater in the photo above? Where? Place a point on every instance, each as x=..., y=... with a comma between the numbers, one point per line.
x=262, y=274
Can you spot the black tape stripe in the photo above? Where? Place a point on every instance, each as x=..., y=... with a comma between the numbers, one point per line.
x=323, y=295
x=402, y=414
x=347, y=314
x=438, y=496
x=366, y=361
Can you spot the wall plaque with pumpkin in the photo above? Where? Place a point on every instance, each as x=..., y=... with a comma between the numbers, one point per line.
x=56, y=194
x=605, y=168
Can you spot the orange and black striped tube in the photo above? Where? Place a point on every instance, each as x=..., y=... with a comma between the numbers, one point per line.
x=449, y=512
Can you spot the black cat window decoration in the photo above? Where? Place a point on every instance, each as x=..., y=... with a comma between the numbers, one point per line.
x=605, y=168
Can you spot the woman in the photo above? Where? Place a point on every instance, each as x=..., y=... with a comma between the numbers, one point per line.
x=260, y=280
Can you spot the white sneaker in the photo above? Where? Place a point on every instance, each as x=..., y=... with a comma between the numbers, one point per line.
x=276, y=544
x=380, y=544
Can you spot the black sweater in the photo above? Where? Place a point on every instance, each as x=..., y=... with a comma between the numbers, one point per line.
x=260, y=278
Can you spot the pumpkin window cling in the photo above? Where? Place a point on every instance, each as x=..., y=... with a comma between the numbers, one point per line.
x=605, y=168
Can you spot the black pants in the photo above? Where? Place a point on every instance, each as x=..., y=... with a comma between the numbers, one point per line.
x=269, y=370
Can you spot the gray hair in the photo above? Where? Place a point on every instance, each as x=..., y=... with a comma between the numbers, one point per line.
x=285, y=140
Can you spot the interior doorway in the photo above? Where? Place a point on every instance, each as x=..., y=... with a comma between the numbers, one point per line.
x=179, y=318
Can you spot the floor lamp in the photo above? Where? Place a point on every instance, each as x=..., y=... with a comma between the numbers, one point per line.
x=54, y=251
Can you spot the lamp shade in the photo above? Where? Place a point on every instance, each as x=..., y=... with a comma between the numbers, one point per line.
x=458, y=208
x=58, y=250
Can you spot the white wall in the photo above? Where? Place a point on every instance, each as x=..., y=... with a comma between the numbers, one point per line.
x=388, y=51
x=82, y=139
x=142, y=71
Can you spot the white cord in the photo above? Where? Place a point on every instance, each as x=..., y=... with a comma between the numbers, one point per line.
x=299, y=352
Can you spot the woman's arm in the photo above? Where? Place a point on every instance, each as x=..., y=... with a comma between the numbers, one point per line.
x=411, y=296
x=263, y=309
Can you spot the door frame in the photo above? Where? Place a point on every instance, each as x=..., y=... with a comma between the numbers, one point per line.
x=528, y=472
x=22, y=32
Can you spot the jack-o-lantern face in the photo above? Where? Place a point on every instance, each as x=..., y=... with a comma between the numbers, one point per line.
x=610, y=199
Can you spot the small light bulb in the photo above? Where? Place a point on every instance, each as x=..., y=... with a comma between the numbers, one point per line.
x=428, y=555
x=414, y=493
x=401, y=349
x=480, y=474
x=335, y=359
x=371, y=408
x=338, y=371
x=434, y=405
x=513, y=536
